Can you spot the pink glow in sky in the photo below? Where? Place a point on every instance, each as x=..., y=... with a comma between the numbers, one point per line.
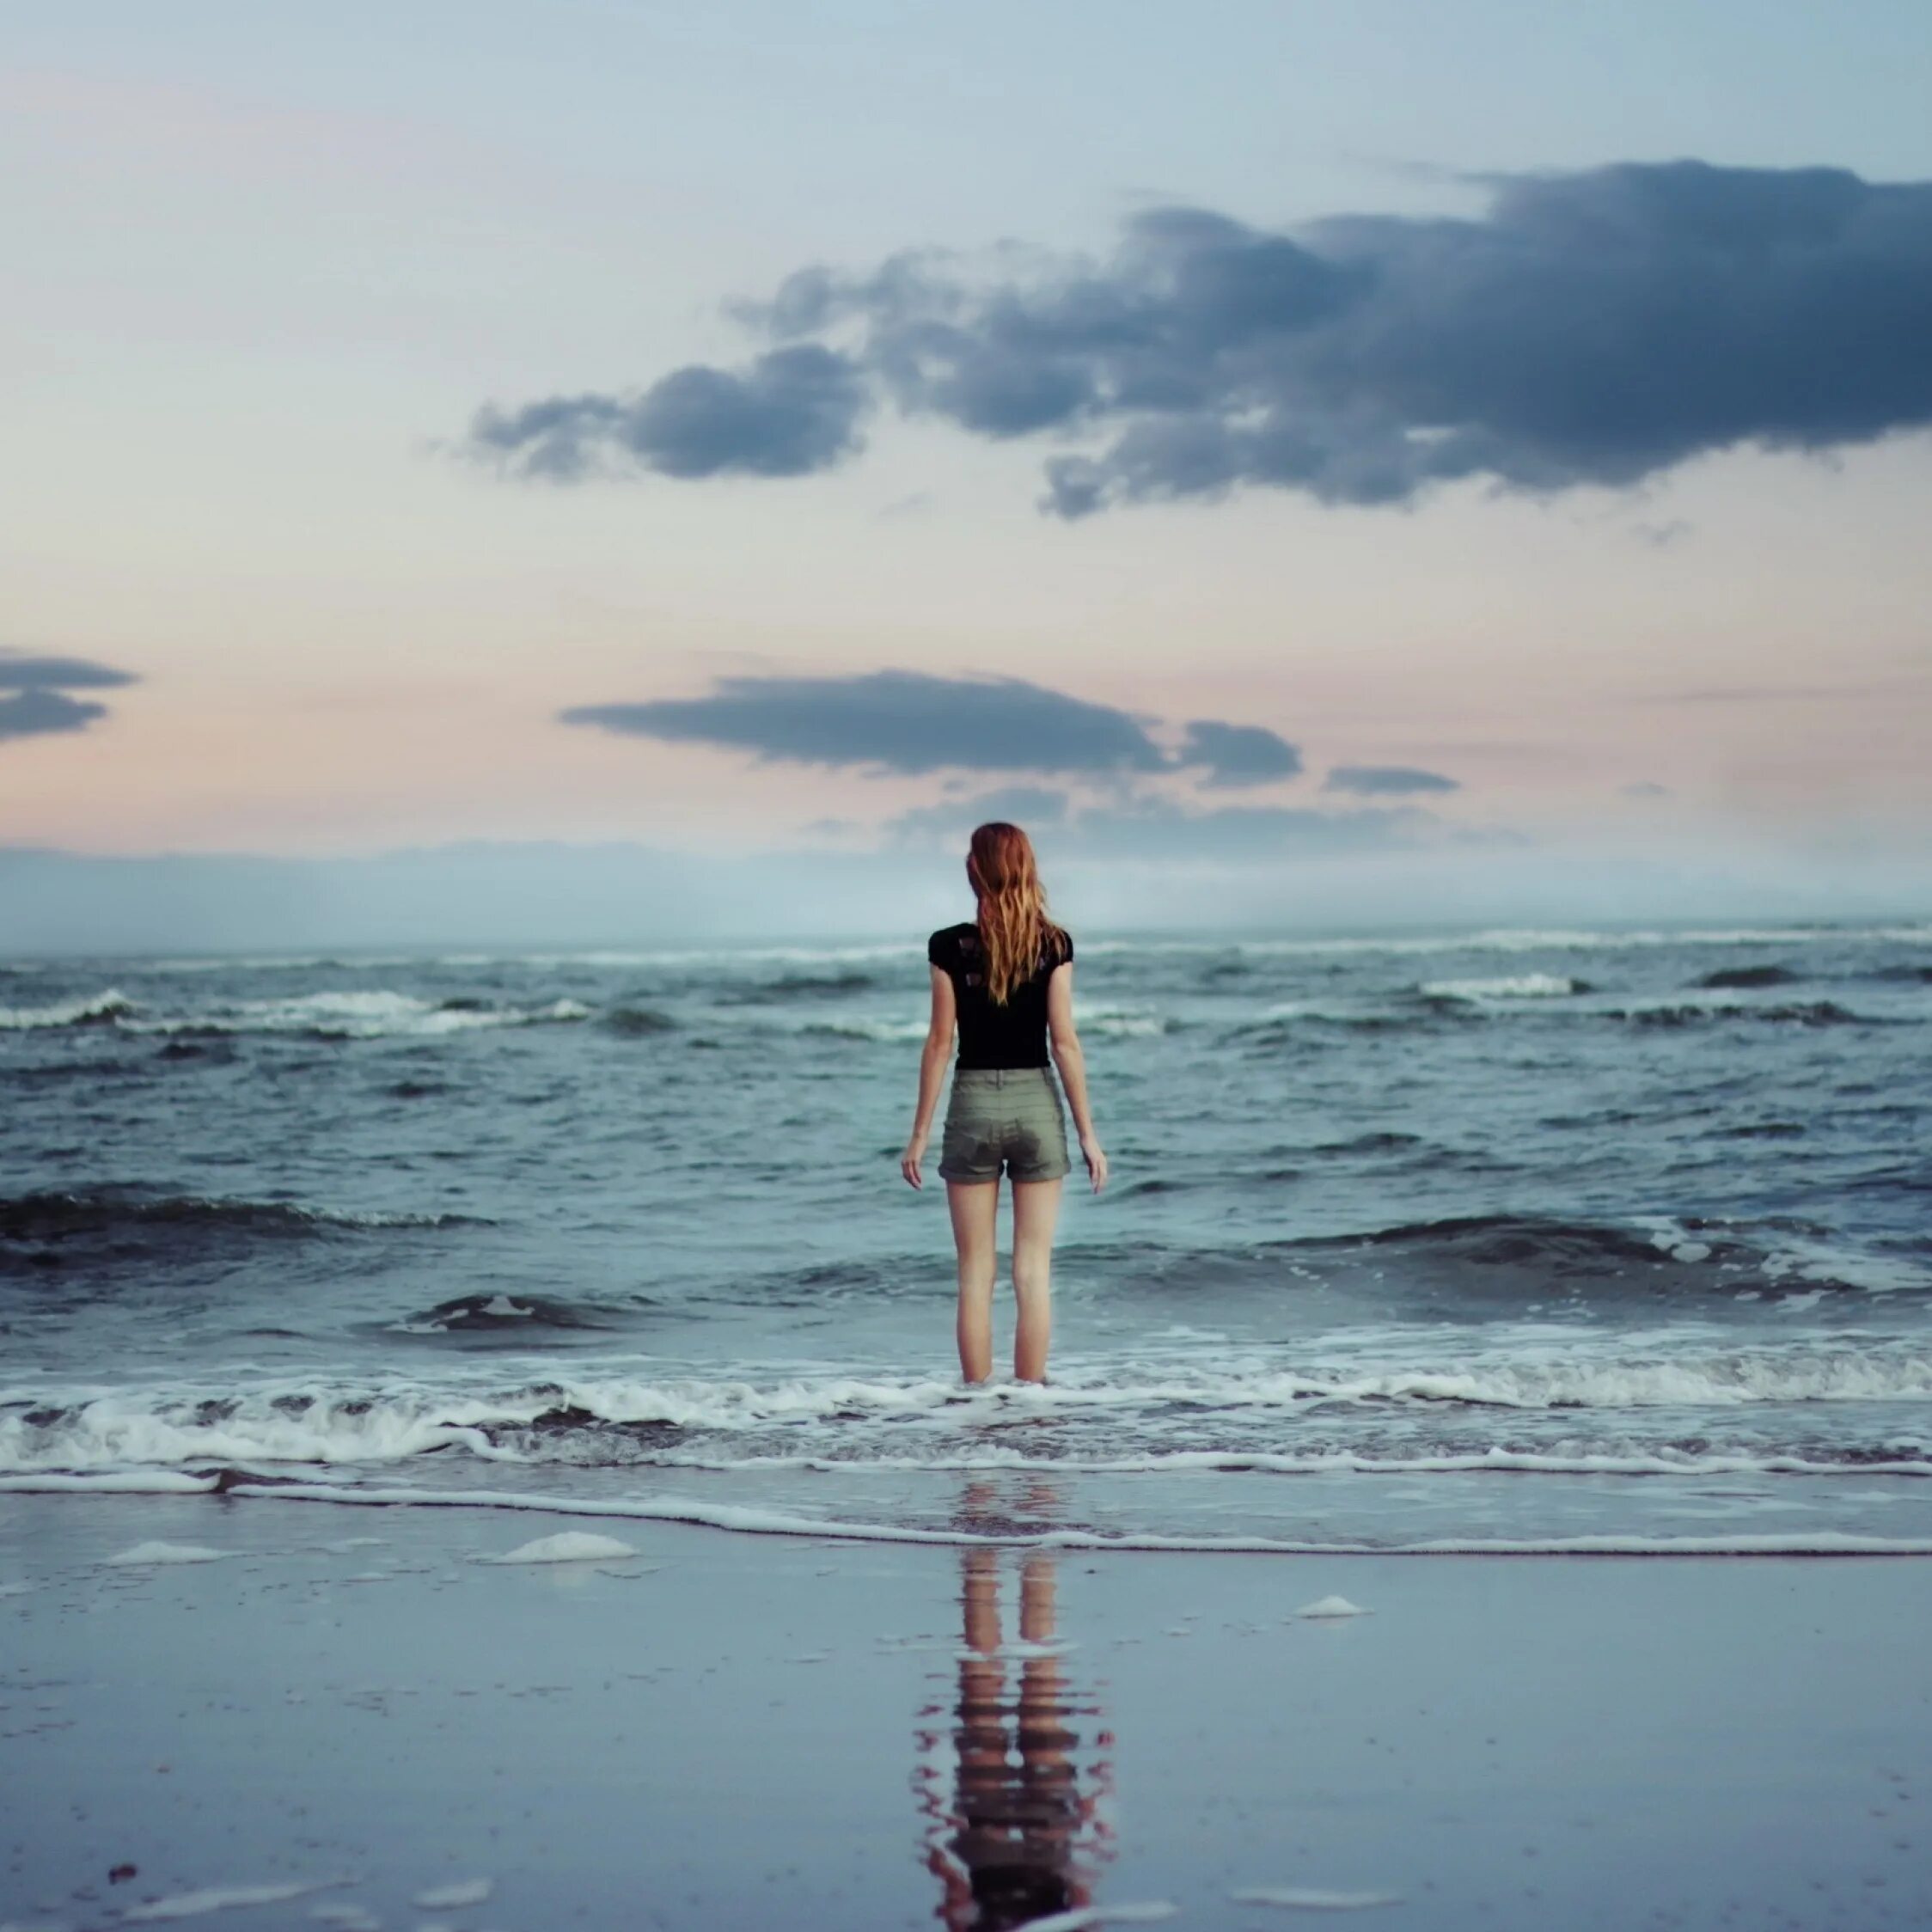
x=262, y=284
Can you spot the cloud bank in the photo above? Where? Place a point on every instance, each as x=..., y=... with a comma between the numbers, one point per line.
x=1588, y=328
x=1151, y=826
x=912, y=722
x=1387, y=780
x=39, y=703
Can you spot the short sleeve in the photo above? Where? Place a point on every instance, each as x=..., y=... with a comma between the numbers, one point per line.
x=939, y=949
x=1066, y=946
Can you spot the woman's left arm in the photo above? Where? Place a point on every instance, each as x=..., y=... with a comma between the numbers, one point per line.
x=932, y=1059
x=1065, y=1041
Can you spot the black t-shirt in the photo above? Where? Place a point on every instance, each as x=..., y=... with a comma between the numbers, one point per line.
x=1014, y=1035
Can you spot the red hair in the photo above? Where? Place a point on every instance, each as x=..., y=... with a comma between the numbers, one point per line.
x=1016, y=935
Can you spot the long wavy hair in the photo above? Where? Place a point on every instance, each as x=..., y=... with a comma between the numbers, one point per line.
x=1016, y=935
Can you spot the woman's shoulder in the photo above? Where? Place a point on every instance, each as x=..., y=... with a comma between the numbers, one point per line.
x=950, y=942
x=1060, y=945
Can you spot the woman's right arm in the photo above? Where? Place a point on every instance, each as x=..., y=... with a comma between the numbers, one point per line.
x=1065, y=1041
x=932, y=1059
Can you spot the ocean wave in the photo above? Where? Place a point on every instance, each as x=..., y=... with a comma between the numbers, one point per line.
x=1682, y=1012
x=788, y=987
x=565, y=1421
x=1128, y=1023
x=1125, y=1023
x=1519, y=986
x=1520, y=1253
x=882, y=1031
x=636, y=1023
x=243, y=1483
x=1748, y=978
x=1915, y=1460
x=1521, y=939
x=94, y=1008
x=1275, y=1022
x=500, y=1313
x=374, y=1014
x=57, y=1217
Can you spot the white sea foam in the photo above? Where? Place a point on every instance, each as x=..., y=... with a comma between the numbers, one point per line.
x=299, y=1422
x=447, y=1898
x=375, y=1013
x=1123, y=1023
x=1307, y=1898
x=1325, y=1607
x=568, y=1546
x=219, y=1899
x=1610, y=1461
x=767, y=1522
x=1519, y=986
x=1144, y=1911
x=885, y=1030
x=66, y=1012
x=162, y=1553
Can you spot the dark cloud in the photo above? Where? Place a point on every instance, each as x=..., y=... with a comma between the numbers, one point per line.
x=897, y=721
x=1587, y=328
x=20, y=672
x=790, y=412
x=1387, y=780
x=1237, y=754
x=39, y=706
x=31, y=713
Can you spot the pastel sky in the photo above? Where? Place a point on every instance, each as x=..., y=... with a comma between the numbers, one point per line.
x=1241, y=429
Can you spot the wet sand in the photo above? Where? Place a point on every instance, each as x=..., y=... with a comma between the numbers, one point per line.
x=721, y=1731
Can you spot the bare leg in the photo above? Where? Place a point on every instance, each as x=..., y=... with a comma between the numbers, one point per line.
x=976, y=1226
x=1036, y=1208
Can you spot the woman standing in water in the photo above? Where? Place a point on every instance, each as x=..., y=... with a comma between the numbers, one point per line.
x=1006, y=981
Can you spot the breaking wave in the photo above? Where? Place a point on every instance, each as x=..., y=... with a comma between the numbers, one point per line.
x=92, y=1009
x=54, y=1217
x=620, y=1420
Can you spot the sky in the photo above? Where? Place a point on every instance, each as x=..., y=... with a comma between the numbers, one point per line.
x=1362, y=461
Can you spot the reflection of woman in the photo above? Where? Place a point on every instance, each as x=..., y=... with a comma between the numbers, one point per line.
x=1006, y=981
x=1020, y=1839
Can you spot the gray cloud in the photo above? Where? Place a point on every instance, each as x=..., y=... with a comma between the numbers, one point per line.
x=790, y=412
x=39, y=706
x=31, y=713
x=1593, y=327
x=1238, y=754
x=1157, y=829
x=1387, y=780
x=1019, y=805
x=1152, y=827
x=900, y=721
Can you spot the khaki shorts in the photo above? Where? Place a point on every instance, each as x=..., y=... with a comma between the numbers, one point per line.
x=1005, y=1117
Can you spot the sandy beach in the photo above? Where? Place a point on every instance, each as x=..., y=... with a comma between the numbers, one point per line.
x=284, y=1712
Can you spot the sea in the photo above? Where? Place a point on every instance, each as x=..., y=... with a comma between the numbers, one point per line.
x=1511, y=1241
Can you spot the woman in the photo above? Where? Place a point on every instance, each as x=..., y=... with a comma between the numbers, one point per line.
x=1006, y=981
